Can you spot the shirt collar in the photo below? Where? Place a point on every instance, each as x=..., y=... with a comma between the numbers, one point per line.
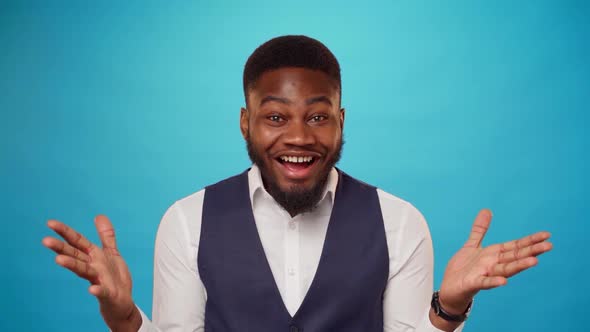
x=255, y=184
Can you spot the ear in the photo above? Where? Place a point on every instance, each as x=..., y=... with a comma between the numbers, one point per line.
x=342, y=113
x=244, y=122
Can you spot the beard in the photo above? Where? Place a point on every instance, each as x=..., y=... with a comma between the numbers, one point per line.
x=296, y=199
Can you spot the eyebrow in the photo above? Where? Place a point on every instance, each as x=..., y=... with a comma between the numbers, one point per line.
x=281, y=100
x=309, y=101
x=320, y=99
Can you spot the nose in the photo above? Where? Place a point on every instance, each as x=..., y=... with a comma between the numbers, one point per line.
x=299, y=133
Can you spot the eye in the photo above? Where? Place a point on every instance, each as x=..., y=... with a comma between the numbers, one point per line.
x=275, y=118
x=318, y=118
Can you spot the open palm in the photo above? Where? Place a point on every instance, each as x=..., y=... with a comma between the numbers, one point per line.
x=474, y=268
x=103, y=267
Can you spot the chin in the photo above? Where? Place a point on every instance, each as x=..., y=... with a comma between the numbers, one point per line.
x=296, y=187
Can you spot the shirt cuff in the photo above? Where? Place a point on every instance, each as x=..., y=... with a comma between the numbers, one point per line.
x=146, y=324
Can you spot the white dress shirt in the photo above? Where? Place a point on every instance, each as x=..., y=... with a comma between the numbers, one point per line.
x=292, y=247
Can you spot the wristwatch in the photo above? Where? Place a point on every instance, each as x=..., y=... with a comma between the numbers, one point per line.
x=440, y=312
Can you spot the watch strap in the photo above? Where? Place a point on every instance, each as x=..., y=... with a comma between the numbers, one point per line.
x=439, y=311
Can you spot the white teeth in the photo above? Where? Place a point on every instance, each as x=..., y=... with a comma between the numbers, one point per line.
x=293, y=159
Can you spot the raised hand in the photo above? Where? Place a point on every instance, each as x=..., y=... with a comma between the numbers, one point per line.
x=474, y=268
x=103, y=267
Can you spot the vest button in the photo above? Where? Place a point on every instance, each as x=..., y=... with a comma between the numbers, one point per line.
x=294, y=328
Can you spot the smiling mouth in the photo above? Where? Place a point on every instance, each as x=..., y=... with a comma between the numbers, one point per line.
x=297, y=166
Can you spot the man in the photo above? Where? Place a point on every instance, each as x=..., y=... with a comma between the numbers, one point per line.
x=294, y=244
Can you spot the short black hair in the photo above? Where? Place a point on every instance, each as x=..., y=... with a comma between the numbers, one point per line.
x=290, y=51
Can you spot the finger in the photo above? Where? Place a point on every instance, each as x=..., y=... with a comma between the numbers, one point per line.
x=106, y=232
x=80, y=268
x=479, y=228
x=509, y=269
x=529, y=251
x=491, y=282
x=74, y=238
x=525, y=241
x=62, y=248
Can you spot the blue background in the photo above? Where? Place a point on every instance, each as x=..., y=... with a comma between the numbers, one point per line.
x=454, y=106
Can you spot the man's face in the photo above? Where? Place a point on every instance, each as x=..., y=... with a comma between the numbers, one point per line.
x=293, y=129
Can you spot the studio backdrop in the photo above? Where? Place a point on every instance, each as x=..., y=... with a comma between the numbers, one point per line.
x=122, y=108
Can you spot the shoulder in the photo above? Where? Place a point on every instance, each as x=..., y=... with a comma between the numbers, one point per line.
x=395, y=207
x=396, y=211
x=190, y=207
x=402, y=218
x=406, y=231
x=186, y=206
x=182, y=219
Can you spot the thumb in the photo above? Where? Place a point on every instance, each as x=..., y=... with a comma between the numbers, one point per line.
x=106, y=232
x=479, y=228
x=100, y=292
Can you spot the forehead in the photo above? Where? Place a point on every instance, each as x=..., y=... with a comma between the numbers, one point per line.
x=294, y=83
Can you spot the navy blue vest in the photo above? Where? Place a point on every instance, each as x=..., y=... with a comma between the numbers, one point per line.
x=346, y=293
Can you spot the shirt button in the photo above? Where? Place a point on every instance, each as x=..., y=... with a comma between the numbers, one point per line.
x=293, y=328
x=292, y=225
x=291, y=271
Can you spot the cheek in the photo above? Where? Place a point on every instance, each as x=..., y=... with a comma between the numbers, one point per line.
x=331, y=139
x=264, y=138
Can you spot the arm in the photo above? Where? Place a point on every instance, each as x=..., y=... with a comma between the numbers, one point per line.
x=406, y=301
x=179, y=295
x=471, y=269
